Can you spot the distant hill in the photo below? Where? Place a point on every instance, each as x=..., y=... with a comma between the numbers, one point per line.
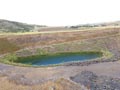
x=117, y=23
x=13, y=26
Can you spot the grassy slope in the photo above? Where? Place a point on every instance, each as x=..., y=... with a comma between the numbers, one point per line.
x=6, y=46
x=81, y=40
x=37, y=39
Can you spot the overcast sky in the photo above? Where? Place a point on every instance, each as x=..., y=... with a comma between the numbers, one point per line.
x=60, y=12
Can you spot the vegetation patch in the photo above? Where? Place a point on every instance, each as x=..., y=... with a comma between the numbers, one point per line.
x=27, y=61
x=106, y=54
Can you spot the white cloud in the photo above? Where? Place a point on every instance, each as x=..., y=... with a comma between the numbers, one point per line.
x=60, y=12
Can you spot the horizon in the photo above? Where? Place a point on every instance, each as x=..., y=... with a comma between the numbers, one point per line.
x=60, y=12
x=62, y=26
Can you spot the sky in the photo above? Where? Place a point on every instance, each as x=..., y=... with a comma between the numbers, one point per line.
x=60, y=12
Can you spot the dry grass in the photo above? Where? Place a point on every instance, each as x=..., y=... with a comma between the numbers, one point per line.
x=60, y=84
x=12, y=42
x=64, y=30
x=6, y=46
x=41, y=39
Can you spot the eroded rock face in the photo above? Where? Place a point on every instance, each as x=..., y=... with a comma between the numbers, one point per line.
x=94, y=82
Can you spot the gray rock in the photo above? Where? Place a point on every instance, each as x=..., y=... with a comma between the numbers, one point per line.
x=94, y=82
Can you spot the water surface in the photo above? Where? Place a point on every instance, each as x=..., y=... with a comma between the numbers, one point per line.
x=46, y=60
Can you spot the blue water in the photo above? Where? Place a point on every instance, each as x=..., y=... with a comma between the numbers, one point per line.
x=52, y=60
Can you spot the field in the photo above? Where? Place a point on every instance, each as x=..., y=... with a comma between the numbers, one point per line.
x=106, y=40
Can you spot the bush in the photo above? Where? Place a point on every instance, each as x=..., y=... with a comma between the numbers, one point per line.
x=41, y=52
x=10, y=57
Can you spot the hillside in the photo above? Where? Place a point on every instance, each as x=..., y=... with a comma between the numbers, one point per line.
x=100, y=73
x=12, y=26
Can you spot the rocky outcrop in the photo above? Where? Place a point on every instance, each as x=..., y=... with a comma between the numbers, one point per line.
x=94, y=82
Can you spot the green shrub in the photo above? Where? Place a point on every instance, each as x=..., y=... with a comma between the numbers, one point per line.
x=10, y=57
x=41, y=52
x=106, y=53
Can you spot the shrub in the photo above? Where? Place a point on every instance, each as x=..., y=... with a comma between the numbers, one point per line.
x=41, y=52
x=10, y=57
